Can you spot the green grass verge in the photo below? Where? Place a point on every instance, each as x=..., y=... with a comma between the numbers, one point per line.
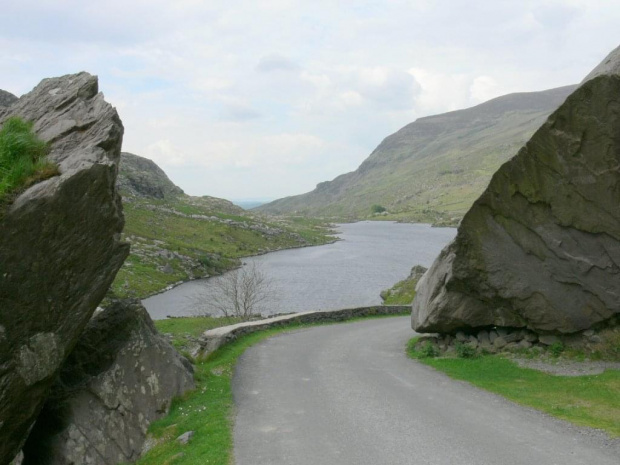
x=592, y=401
x=22, y=158
x=208, y=410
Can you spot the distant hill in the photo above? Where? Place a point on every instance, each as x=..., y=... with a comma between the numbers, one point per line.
x=175, y=237
x=434, y=168
x=141, y=177
x=6, y=98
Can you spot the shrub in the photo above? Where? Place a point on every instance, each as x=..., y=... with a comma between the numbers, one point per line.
x=22, y=161
x=429, y=350
x=464, y=350
x=556, y=348
x=377, y=209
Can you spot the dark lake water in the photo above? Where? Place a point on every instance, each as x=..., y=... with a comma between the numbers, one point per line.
x=372, y=256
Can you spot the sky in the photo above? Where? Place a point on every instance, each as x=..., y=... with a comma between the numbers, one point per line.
x=261, y=99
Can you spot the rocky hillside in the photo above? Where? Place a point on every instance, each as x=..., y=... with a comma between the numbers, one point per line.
x=141, y=177
x=433, y=169
x=175, y=237
x=59, y=247
x=6, y=98
x=540, y=248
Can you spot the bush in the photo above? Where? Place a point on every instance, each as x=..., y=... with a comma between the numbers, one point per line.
x=22, y=155
x=556, y=348
x=429, y=350
x=464, y=350
x=377, y=209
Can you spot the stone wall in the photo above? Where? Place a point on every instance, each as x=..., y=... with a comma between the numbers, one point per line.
x=215, y=338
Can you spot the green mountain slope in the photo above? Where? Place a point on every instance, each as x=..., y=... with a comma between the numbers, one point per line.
x=434, y=168
x=175, y=237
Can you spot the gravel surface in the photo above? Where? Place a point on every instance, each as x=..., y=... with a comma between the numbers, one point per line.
x=347, y=394
x=564, y=367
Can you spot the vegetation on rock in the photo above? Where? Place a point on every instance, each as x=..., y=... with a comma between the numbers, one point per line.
x=403, y=292
x=22, y=157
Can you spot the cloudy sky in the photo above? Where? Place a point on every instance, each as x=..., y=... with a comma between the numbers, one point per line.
x=266, y=98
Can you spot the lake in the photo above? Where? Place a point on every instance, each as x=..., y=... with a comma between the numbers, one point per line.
x=372, y=256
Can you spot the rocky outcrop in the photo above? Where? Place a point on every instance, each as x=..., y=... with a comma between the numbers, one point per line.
x=121, y=376
x=59, y=245
x=141, y=177
x=6, y=98
x=540, y=249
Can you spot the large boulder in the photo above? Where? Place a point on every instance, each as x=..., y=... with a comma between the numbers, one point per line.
x=59, y=245
x=541, y=247
x=121, y=376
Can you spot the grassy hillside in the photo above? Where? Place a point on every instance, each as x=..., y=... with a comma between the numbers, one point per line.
x=433, y=169
x=175, y=237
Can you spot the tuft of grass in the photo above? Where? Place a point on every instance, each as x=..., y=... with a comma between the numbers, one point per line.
x=592, y=401
x=22, y=158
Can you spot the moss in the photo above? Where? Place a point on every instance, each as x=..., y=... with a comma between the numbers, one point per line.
x=22, y=158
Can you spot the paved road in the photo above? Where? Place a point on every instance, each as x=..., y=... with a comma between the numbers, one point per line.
x=347, y=394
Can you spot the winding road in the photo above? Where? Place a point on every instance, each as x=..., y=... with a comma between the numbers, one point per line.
x=347, y=394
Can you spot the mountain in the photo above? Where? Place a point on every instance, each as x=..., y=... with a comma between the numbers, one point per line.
x=176, y=237
x=141, y=177
x=434, y=168
x=6, y=98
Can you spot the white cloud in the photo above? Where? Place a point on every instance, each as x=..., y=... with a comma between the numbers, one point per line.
x=270, y=98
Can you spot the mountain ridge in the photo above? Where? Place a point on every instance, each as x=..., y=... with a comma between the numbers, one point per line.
x=433, y=168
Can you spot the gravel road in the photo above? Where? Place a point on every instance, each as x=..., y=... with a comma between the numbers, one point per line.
x=347, y=394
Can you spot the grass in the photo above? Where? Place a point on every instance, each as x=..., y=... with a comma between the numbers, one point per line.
x=592, y=401
x=208, y=410
x=167, y=246
x=22, y=158
x=186, y=329
x=402, y=293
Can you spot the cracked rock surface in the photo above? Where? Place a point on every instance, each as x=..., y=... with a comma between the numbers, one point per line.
x=541, y=247
x=121, y=376
x=60, y=245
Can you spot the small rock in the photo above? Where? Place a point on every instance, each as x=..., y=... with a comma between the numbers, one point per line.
x=525, y=344
x=511, y=346
x=185, y=437
x=502, y=332
x=460, y=336
x=595, y=338
x=530, y=337
x=499, y=342
x=512, y=337
x=548, y=339
x=492, y=336
x=588, y=333
x=483, y=337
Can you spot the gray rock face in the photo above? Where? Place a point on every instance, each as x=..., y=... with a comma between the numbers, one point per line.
x=141, y=177
x=121, y=376
x=59, y=245
x=6, y=98
x=541, y=247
